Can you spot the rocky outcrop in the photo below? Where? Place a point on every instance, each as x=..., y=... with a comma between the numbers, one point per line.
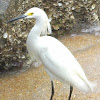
x=67, y=16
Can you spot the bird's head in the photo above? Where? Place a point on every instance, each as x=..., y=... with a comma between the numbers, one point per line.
x=35, y=13
x=31, y=13
x=40, y=16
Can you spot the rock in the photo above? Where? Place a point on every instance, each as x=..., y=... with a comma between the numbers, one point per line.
x=67, y=16
x=3, y=6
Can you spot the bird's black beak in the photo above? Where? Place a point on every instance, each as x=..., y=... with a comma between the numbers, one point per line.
x=20, y=17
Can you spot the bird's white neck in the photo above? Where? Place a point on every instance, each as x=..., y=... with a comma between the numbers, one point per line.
x=42, y=27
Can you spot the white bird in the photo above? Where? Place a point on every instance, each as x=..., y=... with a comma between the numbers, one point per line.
x=58, y=61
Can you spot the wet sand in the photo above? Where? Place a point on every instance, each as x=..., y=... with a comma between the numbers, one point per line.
x=34, y=84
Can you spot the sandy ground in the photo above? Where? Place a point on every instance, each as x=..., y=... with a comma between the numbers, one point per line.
x=34, y=84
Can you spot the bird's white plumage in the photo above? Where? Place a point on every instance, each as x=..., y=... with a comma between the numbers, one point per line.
x=61, y=64
x=56, y=58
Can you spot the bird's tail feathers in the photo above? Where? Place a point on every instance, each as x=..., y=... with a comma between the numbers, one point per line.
x=92, y=86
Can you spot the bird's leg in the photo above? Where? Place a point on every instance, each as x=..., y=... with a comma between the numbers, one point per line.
x=52, y=90
x=71, y=90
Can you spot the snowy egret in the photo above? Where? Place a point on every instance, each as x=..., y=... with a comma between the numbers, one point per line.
x=58, y=61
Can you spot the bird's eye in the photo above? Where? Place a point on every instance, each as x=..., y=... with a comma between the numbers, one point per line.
x=30, y=14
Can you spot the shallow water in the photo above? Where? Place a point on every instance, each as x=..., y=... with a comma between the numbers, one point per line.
x=34, y=84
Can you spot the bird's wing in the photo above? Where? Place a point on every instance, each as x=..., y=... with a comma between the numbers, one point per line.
x=61, y=64
x=58, y=59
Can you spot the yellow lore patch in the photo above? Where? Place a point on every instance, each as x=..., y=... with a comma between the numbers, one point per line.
x=30, y=14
